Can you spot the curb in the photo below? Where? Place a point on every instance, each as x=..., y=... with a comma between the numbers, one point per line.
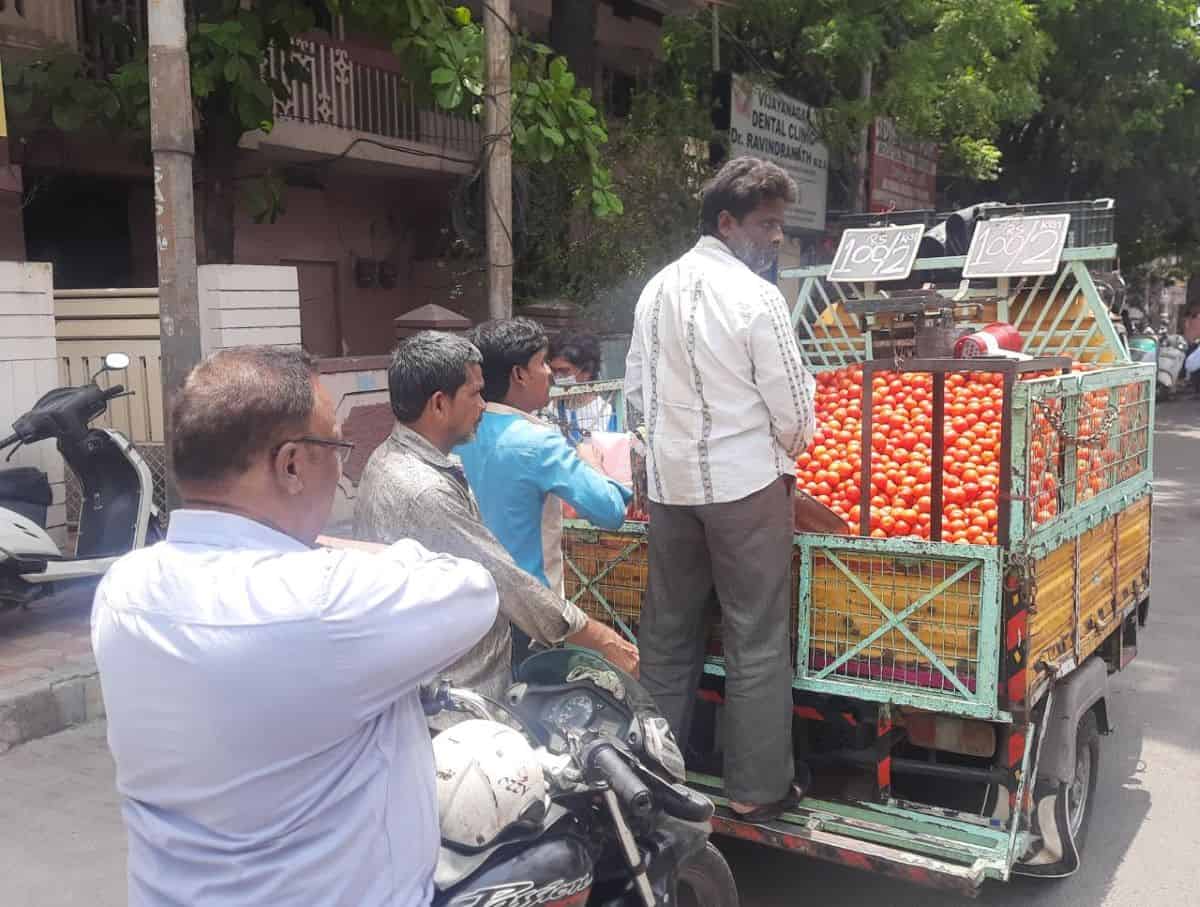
x=67, y=696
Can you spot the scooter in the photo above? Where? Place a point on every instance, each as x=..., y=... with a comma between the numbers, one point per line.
x=117, y=512
x=1172, y=356
x=569, y=793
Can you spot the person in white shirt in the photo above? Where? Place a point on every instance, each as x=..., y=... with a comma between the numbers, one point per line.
x=262, y=693
x=1191, y=334
x=715, y=370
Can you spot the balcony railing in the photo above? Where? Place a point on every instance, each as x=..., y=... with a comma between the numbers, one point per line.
x=351, y=92
x=38, y=23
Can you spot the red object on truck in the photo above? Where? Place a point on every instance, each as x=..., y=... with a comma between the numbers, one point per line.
x=998, y=339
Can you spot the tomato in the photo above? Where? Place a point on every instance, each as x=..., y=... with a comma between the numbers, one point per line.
x=900, y=445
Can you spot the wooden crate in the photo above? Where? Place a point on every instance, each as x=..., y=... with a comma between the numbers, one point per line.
x=1082, y=587
x=615, y=567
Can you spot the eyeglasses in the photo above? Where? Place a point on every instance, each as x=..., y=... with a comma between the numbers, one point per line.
x=343, y=448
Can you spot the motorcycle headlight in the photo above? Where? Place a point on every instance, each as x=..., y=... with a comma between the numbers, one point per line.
x=661, y=746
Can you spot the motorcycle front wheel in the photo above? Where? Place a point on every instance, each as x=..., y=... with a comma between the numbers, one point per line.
x=706, y=881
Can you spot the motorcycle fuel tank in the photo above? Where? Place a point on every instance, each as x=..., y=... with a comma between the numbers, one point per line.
x=555, y=871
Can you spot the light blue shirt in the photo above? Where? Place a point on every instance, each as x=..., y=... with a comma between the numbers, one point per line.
x=262, y=711
x=513, y=464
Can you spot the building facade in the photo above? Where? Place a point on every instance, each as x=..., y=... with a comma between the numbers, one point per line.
x=371, y=172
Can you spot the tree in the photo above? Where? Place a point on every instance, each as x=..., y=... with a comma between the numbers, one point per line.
x=1120, y=117
x=951, y=71
x=658, y=169
x=233, y=94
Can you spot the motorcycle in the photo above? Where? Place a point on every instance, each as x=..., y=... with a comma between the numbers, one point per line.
x=569, y=793
x=117, y=512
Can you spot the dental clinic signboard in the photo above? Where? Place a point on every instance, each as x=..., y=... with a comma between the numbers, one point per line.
x=764, y=123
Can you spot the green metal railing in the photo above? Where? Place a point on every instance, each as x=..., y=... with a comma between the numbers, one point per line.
x=900, y=621
x=1084, y=336
x=1087, y=436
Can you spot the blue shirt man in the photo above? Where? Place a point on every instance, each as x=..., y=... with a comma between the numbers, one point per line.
x=520, y=467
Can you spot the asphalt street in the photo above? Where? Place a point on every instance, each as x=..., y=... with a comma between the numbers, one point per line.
x=61, y=842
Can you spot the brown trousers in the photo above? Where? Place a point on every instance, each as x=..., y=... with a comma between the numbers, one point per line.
x=742, y=550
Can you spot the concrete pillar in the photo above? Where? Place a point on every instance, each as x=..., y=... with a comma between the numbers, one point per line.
x=243, y=305
x=29, y=369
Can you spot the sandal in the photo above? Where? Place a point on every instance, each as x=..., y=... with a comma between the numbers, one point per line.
x=767, y=811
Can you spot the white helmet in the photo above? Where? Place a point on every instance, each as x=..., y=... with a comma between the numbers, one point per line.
x=488, y=777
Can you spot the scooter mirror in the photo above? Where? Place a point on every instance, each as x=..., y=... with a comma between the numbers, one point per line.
x=115, y=362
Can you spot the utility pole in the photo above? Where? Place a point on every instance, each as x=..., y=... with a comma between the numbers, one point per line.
x=173, y=143
x=716, y=38
x=862, y=194
x=497, y=127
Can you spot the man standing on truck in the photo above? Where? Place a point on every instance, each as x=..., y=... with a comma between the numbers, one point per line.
x=716, y=372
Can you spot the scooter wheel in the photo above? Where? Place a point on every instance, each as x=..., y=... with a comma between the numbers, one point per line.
x=706, y=881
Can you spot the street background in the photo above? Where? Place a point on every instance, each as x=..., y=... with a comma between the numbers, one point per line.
x=62, y=843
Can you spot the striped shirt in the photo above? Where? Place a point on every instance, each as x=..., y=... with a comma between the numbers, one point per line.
x=716, y=373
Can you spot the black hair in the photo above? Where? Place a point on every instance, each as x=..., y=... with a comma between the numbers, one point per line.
x=581, y=350
x=236, y=404
x=504, y=345
x=424, y=364
x=739, y=187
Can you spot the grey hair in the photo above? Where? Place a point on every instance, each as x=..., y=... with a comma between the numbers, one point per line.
x=236, y=404
x=424, y=364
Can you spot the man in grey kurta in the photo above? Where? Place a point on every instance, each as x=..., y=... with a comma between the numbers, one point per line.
x=413, y=487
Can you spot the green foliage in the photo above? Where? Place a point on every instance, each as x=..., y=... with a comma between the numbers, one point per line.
x=658, y=169
x=58, y=91
x=1119, y=117
x=553, y=119
x=440, y=42
x=951, y=71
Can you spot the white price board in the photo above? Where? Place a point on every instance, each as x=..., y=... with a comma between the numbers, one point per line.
x=1025, y=246
x=876, y=253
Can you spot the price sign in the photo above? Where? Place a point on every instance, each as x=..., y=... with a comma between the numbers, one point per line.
x=1027, y=246
x=876, y=253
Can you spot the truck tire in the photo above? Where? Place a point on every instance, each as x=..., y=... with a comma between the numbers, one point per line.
x=1069, y=814
x=1081, y=792
x=706, y=881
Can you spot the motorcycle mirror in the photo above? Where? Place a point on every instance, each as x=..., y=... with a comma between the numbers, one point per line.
x=113, y=362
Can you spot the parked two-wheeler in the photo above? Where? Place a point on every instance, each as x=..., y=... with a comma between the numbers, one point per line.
x=569, y=793
x=1172, y=356
x=116, y=514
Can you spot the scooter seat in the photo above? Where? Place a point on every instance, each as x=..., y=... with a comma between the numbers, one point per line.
x=26, y=490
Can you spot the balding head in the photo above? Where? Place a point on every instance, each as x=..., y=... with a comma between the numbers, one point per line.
x=253, y=432
x=236, y=405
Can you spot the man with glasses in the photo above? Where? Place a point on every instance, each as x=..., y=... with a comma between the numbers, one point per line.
x=261, y=692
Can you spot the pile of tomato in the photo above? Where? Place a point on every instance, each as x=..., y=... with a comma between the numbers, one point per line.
x=1111, y=431
x=1112, y=442
x=901, y=472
